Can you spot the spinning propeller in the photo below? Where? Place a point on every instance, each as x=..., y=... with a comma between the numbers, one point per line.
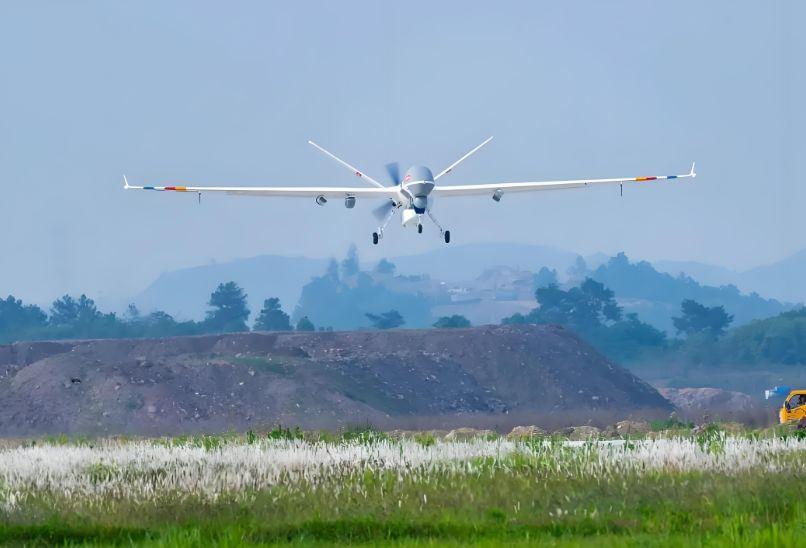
x=380, y=212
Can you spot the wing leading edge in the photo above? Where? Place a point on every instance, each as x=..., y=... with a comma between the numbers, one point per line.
x=487, y=188
x=277, y=191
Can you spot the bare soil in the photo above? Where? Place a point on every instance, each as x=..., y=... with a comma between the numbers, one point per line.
x=313, y=380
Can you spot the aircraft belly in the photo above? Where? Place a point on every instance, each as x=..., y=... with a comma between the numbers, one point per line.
x=410, y=217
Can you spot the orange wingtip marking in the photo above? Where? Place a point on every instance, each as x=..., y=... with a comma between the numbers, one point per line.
x=646, y=178
x=177, y=188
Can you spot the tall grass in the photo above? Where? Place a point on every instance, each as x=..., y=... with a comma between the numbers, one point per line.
x=711, y=488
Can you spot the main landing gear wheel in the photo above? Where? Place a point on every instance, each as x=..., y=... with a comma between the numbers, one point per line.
x=375, y=238
x=447, y=236
x=419, y=229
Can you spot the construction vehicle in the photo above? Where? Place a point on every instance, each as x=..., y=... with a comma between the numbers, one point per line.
x=794, y=409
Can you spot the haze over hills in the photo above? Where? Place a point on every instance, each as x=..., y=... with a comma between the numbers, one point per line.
x=781, y=280
x=656, y=296
x=484, y=282
x=184, y=293
x=464, y=262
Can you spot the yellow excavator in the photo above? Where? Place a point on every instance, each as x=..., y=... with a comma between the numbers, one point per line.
x=794, y=409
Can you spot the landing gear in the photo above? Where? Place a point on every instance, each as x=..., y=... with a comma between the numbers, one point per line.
x=419, y=229
x=446, y=234
x=378, y=235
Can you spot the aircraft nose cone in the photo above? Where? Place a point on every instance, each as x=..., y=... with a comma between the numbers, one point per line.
x=418, y=173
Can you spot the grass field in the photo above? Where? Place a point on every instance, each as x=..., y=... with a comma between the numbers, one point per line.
x=711, y=489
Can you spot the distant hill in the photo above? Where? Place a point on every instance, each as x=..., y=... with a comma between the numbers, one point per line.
x=184, y=293
x=782, y=280
x=707, y=274
x=466, y=262
x=656, y=296
x=785, y=279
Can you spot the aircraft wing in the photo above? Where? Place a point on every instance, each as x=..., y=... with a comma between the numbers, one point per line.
x=492, y=188
x=278, y=191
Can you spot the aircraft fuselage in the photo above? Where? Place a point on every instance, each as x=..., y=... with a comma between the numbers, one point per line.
x=415, y=187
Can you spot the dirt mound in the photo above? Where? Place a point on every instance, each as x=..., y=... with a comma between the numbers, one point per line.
x=707, y=399
x=315, y=380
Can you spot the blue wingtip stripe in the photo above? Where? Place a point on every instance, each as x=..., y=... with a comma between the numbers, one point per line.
x=671, y=176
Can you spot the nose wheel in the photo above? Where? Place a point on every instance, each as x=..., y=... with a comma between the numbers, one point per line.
x=419, y=229
x=447, y=235
x=375, y=238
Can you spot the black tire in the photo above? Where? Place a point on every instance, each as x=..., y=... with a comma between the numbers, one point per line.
x=375, y=238
x=447, y=236
x=419, y=229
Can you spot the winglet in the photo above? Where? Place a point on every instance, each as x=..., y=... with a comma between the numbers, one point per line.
x=126, y=183
x=693, y=173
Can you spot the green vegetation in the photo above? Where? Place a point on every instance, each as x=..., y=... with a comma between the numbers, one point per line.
x=72, y=318
x=364, y=491
x=272, y=317
x=780, y=339
x=452, y=322
x=304, y=324
x=590, y=310
x=270, y=364
x=653, y=294
x=228, y=311
x=284, y=433
x=671, y=424
x=347, y=297
x=697, y=319
x=386, y=320
x=342, y=297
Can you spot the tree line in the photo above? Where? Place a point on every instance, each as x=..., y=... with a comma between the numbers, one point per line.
x=78, y=318
x=589, y=309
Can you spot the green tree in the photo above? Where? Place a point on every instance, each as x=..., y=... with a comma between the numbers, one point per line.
x=452, y=322
x=386, y=320
x=19, y=321
x=161, y=324
x=627, y=339
x=385, y=267
x=582, y=308
x=80, y=318
x=304, y=324
x=132, y=312
x=545, y=277
x=591, y=311
x=698, y=319
x=69, y=311
x=777, y=340
x=350, y=265
x=229, y=311
x=272, y=317
x=577, y=271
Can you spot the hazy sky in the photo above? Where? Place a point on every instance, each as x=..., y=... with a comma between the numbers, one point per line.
x=228, y=93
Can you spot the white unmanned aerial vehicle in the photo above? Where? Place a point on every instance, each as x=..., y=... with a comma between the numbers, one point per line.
x=413, y=194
